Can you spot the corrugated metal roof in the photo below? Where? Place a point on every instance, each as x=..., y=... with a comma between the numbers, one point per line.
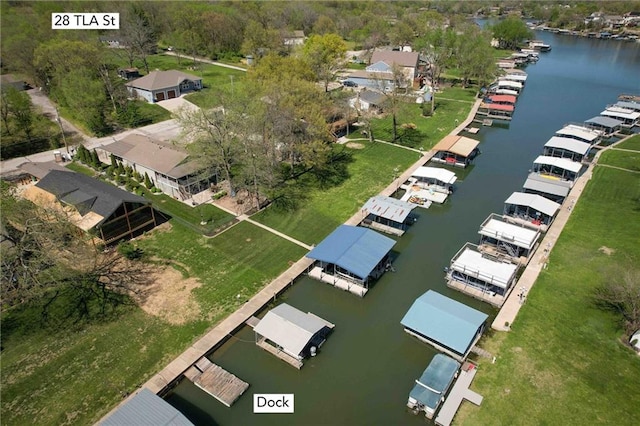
x=581, y=132
x=442, y=175
x=568, y=144
x=621, y=112
x=563, y=163
x=158, y=80
x=608, y=122
x=472, y=263
x=355, y=249
x=372, y=97
x=535, y=201
x=444, y=320
x=460, y=145
x=146, y=409
x=438, y=377
x=538, y=183
x=503, y=98
x=508, y=232
x=497, y=107
x=629, y=105
x=388, y=208
x=510, y=84
x=289, y=328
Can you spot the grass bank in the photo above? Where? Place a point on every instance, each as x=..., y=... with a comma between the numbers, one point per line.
x=563, y=362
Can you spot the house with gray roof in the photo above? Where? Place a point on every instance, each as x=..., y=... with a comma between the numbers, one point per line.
x=168, y=166
x=368, y=100
x=160, y=85
x=93, y=205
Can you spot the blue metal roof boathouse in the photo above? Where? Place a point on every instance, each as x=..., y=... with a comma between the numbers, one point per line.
x=449, y=326
x=351, y=258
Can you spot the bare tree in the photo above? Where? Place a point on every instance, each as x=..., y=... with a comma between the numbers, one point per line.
x=620, y=293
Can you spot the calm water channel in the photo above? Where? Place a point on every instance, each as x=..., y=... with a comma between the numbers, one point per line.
x=365, y=370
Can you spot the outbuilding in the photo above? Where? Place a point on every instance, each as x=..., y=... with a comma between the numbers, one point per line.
x=160, y=85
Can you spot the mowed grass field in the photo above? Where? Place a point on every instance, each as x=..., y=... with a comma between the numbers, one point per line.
x=564, y=361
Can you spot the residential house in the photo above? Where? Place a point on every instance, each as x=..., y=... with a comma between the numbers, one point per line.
x=160, y=85
x=379, y=74
x=368, y=100
x=168, y=166
x=93, y=205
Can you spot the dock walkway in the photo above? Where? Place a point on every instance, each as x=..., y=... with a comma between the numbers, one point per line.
x=216, y=381
x=459, y=392
x=280, y=354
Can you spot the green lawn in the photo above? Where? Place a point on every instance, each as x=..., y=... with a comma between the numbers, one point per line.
x=632, y=143
x=151, y=113
x=625, y=159
x=80, y=168
x=76, y=375
x=563, y=362
x=372, y=169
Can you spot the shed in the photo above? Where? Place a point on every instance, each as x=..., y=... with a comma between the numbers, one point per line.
x=353, y=253
x=146, y=409
x=444, y=323
x=533, y=208
x=292, y=331
x=569, y=148
x=456, y=150
x=389, y=212
x=555, y=190
x=580, y=133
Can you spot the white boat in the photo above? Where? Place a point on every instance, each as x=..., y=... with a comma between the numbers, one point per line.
x=539, y=45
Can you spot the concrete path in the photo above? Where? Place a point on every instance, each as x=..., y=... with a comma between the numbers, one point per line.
x=207, y=61
x=273, y=231
x=540, y=259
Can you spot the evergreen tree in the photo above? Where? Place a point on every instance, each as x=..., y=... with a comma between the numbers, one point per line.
x=82, y=153
x=147, y=181
x=114, y=162
x=95, y=161
x=120, y=169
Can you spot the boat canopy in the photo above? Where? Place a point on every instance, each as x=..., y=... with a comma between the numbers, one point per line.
x=503, y=98
x=562, y=163
x=442, y=175
x=568, y=144
x=538, y=183
x=388, y=208
x=459, y=145
x=580, y=132
x=472, y=263
x=623, y=113
x=628, y=105
x=537, y=202
x=606, y=122
x=496, y=227
x=497, y=107
x=510, y=84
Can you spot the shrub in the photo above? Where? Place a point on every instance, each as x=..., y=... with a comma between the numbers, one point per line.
x=219, y=195
x=130, y=251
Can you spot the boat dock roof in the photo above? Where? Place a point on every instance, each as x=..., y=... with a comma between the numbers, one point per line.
x=562, y=163
x=497, y=227
x=470, y=261
x=146, y=408
x=497, y=107
x=459, y=145
x=537, y=202
x=435, y=380
x=436, y=173
x=606, y=122
x=510, y=84
x=619, y=112
x=568, y=144
x=503, y=98
x=515, y=77
x=388, y=208
x=538, y=183
x=581, y=132
x=216, y=381
x=358, y=250
x=628, y=105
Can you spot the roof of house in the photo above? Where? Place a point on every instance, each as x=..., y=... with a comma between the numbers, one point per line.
x=471, y=262
x=370, y=75
x=162, y=157
x=358, y=250
x=40, y=170
x=435, y=380
x=460, y=145
x=390, y=57
x=86, y=194
x=562, y=163
x=158, y=80
x=495, y=227
x=443, y=175
x=289, y=327
x=388, y=208
x=580, y=132
x=607, y=122
x=535, y=201
x=444, y=320
x=568, y=144
x=372, y=97
x=536, y=182
x=146, y=409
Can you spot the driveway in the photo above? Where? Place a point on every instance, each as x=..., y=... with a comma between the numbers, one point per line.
x=176, y=104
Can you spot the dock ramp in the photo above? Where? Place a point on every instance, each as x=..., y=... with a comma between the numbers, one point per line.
x=216, y=381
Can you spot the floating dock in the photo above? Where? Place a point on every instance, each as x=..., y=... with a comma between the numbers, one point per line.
x=459, y=392
x=216, y=381
x=340, y=283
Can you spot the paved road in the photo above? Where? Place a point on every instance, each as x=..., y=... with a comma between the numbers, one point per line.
x=208, y=61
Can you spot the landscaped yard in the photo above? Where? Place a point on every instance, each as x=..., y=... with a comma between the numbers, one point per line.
x=563, y=362
x=77, y=374
x=372, y=170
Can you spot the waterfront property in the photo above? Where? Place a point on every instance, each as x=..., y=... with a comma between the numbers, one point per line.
x=531, y=208
x=568, y=148
x=430, y=389
x=501, y=99
x=433, y=178
x=387, y=214
x=496, y=111
x=504, y=84
x=555, y=167
x=160, y=85
x=629, y=117
x=146, y=408
x=481, y=275
x=290, y=334
x=551, y=188
x=351, y=258
x=456, y=150
x=632, y=105
x=216, y=381
x=515, y=76
x=581, y=133
x=168, y=166
x=608, y=125
x=502, y=237
x=449, y=326
x=93, y=205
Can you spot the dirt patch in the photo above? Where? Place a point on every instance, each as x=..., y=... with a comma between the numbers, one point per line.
x=169, y=297
x=355, y=145
x=606, y=250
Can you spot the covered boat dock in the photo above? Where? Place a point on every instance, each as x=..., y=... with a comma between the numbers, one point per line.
x=146, y=408
x=502, y=99
x=560, y=168
x=628, y=117
x=440, y=180
x=432, y=386
x=499, y=236
x=447, y=325
x=387, y=214
x=480, y=275
x=581, y=133
x=531, y=208
x=553, y=189
x=496, y=111
x=571, y=149
x=351, y=258
x=290, y=334
x=607, y=124
x=456, y=150
x=634, y=106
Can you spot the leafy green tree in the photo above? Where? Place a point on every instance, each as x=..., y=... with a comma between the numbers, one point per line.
x=95, y=160
x=258, y=40
x=325, y=55
x=324, y=25
x=510, y=32
x=473, y=56
x=19, y=106
x=147, y=181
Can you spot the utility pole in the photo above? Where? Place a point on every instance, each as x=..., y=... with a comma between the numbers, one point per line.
x=64, y=138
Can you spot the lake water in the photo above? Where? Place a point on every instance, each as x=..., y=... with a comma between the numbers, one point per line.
x=365, y=370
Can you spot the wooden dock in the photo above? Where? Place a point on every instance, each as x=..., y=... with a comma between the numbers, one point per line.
x=280, y=354
x=459, y=392
x=216, y=381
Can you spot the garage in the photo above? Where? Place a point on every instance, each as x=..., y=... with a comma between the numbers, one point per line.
x=160, y=96
x=171, y=94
